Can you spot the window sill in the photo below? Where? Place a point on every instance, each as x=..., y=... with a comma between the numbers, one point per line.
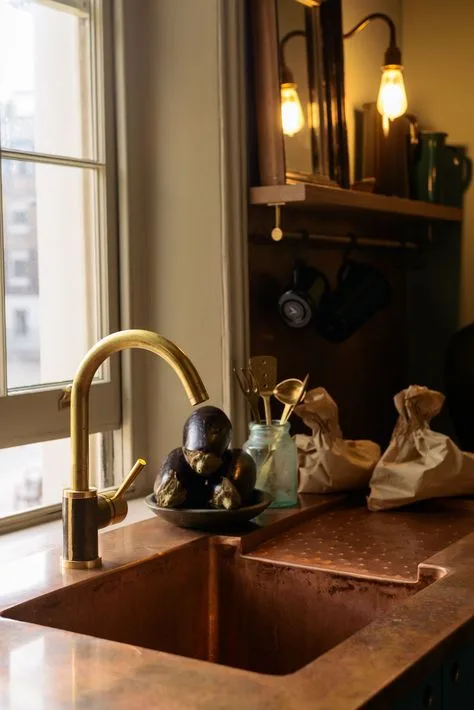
x=40, y=537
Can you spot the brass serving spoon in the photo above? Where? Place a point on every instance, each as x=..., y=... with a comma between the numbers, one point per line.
x=301, y=394
x=287, y=392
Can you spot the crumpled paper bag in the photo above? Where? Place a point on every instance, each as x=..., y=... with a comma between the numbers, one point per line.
x=326, y=461
x=419, y=463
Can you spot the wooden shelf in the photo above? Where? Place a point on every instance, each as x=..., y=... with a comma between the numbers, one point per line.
x=321, y=198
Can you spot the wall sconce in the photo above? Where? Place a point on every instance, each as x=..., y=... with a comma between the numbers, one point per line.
x=292, y=116
x=392, y=98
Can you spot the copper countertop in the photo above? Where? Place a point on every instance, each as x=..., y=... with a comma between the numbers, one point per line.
x=48, y=669
x=355, y=542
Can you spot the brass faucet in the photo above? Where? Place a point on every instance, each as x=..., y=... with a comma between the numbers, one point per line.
x=84, y=510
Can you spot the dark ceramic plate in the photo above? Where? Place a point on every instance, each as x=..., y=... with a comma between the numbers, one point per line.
x=211, y=518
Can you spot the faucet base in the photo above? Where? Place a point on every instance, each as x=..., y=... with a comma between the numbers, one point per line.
x=80, y=541
x=81, y=564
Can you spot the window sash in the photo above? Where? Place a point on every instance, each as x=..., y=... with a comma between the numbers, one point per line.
x=37, y=416
x=49, y=158
x=33, y=415
x=81, y=8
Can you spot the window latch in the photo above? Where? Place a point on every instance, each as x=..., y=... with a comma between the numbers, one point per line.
x=64, y=399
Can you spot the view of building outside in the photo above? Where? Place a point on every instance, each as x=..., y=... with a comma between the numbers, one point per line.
x=20, y=467
x=50, y=220
x=20, y=245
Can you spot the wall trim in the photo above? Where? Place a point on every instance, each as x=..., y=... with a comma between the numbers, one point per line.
x=234, y=199
x=133, y=385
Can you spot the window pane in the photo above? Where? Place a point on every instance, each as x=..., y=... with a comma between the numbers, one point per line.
x=45, y=79
x=34, y=475
x=52, y=295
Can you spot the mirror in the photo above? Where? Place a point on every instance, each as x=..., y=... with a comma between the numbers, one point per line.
x=297, y=70
x=301, y=71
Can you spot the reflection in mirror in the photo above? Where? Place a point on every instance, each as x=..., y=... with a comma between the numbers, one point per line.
x=299, y=76
x=295, y=96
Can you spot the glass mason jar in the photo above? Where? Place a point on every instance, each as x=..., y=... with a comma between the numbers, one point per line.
x=274, y=452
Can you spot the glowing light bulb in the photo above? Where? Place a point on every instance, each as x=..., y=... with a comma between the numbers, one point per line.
x=392, y=98
x=292, y=116
x=385, y=125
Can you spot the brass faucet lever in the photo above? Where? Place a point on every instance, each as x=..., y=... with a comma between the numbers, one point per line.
x=84, y=510
x=139, y=466
x=113, y=506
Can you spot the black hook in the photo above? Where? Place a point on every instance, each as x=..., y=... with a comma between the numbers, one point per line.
x=299, y=245
x=352, y=247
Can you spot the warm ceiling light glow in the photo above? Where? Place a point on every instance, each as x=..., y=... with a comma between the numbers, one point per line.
x=392, y=98
x=292, y=116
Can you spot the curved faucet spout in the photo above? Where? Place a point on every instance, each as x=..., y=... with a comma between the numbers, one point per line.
x=144, y=339
x=84, y=511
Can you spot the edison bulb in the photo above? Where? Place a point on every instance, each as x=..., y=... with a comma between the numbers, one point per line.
x=292, y=116
x=392, y=98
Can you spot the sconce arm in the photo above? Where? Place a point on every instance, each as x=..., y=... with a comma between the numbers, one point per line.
x=393, y=54
x=286, y=74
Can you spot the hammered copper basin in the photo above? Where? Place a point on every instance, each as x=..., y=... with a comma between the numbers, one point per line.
x=204, y=600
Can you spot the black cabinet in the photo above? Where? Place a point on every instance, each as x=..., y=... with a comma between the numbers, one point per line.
x=429, y=694
x=458, y=680
x=451, y=687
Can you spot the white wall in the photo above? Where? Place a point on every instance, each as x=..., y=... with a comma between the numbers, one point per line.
x=175, y=186
x=438, y=54
x=364, y=54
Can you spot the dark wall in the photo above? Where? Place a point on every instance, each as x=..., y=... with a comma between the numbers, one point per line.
x=400, y=345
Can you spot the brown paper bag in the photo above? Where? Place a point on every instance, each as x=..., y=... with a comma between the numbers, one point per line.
x=419, y=463
x=328, y=463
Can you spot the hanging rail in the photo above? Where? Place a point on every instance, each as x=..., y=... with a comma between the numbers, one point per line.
x=343, y=240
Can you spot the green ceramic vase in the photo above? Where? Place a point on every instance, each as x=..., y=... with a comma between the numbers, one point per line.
x=429, y=166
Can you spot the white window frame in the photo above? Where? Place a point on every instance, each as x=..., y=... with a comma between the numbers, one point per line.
x=35, y=414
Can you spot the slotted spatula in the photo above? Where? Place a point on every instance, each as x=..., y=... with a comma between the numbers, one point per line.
x=264, y=369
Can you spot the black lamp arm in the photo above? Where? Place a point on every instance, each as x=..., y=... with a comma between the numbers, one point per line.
x=393, y=54
x=286, y=75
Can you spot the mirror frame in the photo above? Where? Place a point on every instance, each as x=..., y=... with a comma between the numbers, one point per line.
x=266, y=71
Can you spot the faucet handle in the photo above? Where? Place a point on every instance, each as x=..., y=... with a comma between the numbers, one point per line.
x=113, y=507
x=138, y=466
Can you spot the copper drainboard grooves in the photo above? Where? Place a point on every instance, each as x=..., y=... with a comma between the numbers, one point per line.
x=352, y=541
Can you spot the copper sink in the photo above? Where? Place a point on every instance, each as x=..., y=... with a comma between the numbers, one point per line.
x=206, y=601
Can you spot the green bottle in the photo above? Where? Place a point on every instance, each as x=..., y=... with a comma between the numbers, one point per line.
x=430, y=166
